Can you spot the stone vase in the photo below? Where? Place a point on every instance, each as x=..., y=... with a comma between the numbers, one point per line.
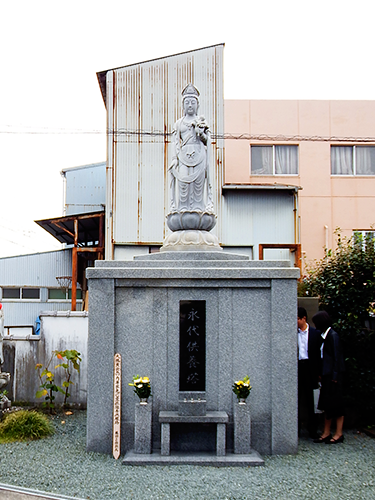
x=142, y=427
x=242, y=427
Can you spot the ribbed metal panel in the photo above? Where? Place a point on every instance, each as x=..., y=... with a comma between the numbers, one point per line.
x=253, y=217
x=36, y=270
x=24, y=313
x=85, y=188
x=146, y=97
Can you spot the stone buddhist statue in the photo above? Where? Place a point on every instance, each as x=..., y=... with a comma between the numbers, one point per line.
x=191, y=213
x=190, y=185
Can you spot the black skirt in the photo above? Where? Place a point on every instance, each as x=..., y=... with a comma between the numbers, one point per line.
x=331, y=398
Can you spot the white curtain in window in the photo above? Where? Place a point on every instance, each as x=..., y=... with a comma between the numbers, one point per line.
x=286, y=161
x=364, y=165
x=261, y=160
x=341, y=160
x=267, y=160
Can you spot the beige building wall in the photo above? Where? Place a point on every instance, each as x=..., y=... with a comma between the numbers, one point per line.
x=325, y=201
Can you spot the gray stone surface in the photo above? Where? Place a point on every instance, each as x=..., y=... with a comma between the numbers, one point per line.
x=219, y=418
x=142, y=428
x=192, y=403
x=284, y=368
x=165, y=448
x=242, y=427
x=209, y=459
x=101, y=350
x=220, y=440
x=210, y=417
x=189, y=395
x=250, y=330
x=192, y=407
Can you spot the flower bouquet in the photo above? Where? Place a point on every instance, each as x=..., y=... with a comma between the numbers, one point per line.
x=242, y=388
x=142, y=387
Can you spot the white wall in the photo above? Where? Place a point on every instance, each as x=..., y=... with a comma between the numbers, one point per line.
x=59, y=331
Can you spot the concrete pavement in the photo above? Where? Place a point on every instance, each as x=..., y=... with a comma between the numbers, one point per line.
x=13, y=493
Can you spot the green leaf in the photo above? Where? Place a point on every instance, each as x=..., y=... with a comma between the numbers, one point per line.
x=41, y=393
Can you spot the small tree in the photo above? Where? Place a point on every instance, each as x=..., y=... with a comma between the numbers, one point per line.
x=73, y=359
x=344, y=281
x=70, y=360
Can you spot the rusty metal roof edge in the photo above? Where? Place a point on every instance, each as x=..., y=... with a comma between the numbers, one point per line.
x=82, y=167
x=261, y=186
x=86, y=215
x=35, y=253
x=101, y=75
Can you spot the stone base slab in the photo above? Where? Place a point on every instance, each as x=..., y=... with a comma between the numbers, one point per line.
x=191, y=240
x=198, y=458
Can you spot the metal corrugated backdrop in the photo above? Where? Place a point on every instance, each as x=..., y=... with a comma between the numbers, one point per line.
x=146, y=97
x=84, y=188
x=36, y=271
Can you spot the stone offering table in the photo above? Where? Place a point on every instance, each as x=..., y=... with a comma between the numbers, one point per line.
x=220, y=418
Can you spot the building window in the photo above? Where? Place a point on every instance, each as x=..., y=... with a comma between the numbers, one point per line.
x=31, y=293
x=62, y=294
x=274, y=160
x=366, y=237
x=11, y=293
x=353, y=160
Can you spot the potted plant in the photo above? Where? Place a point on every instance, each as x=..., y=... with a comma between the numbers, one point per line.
x=241, y=389
x=142, y=388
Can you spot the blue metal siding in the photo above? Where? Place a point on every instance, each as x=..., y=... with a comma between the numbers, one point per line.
x=85, y=188
x=253, y=217
x=37, y=271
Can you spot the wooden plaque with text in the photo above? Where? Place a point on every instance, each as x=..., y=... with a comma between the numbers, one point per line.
x=116, y=444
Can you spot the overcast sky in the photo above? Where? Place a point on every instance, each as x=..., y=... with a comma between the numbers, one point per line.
x=52, y=115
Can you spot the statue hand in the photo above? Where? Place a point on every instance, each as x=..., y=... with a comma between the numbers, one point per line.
x=174, y=164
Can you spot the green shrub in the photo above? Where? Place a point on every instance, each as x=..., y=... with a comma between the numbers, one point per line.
x=344, y=281
x=24, y=425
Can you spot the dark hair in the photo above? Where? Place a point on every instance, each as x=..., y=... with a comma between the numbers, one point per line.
x=302, y=313
x=322, y=320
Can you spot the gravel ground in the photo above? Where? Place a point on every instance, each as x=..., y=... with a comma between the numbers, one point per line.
x=61, y=465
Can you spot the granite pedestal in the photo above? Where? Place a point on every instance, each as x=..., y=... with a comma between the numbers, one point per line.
x=250, y=329
x=142, y=428
x=242, y=427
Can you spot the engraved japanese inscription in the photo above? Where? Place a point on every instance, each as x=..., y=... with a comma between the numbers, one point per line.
x=192, y=345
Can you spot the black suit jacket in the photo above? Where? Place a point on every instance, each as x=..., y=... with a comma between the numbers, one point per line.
x=333, y=358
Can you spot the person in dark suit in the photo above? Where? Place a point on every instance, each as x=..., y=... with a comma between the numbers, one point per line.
x=331, y=393
x=309, y=361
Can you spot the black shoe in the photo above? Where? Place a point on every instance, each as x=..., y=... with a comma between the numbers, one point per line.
x=314, y=435
x=335, y=441
x=323, y=439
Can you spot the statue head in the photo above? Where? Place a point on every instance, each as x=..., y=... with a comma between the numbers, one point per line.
x=190, y=99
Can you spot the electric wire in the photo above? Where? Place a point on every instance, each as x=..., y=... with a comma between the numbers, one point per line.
x=144, y=134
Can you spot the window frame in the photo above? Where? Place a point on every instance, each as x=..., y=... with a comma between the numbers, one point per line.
x=274, y=146
x=354, y=159
x=20, y=297
x=68, y=294
x=364, y=234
